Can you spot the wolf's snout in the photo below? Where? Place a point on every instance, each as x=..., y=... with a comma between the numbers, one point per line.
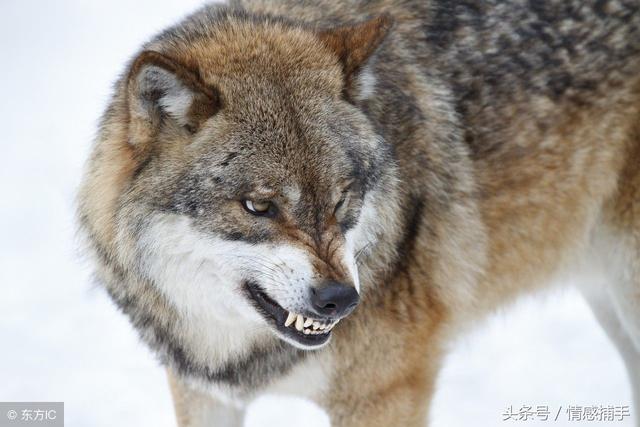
x=334, y=299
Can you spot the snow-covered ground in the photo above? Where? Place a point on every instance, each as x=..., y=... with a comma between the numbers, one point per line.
x=62, y=339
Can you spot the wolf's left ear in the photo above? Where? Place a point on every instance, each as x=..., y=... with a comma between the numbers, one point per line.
x=355, y=45
x=161, y=91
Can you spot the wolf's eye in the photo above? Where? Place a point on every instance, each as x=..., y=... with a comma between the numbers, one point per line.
x=260, y=208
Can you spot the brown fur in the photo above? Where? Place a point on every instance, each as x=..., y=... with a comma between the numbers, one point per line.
x=495, y=183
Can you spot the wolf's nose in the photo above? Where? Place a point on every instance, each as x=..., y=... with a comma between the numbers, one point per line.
x=334, y=299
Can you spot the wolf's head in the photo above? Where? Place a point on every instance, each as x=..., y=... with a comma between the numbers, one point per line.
x=239, y=175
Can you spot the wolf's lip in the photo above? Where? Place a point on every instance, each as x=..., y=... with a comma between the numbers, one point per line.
x=305, y=330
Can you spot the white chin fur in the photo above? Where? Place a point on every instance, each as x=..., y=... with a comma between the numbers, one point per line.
x=202, y=277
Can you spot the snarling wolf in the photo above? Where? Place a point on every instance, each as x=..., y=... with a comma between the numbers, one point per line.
x=318, y=196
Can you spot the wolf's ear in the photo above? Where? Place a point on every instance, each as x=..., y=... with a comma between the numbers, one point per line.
x=355, y=45
x=160, y=90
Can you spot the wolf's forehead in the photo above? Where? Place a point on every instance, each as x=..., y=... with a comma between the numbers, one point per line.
x=294, y=166
x=281, y=146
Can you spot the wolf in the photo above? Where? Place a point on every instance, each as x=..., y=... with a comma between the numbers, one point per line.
x=318, y=197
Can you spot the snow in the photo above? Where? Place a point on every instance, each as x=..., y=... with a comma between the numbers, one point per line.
x=63, y=340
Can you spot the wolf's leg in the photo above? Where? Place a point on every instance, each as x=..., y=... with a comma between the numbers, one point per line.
x=626, y=300
x=196, y=409
x=604, y=309
x=383, y=371
x=617, y=247
x=621, y=244
x=624, y=294
x=398, y=405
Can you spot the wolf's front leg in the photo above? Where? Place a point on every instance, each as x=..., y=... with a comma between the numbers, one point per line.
x=382, y=375
x=403, y=404
x=196, y=409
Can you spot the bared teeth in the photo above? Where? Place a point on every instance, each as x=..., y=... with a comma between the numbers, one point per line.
x=290, y=319
x=299, y=322
x=308, y=326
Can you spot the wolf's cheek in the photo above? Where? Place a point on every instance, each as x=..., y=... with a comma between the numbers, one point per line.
x=198, y=274
x=197, y=270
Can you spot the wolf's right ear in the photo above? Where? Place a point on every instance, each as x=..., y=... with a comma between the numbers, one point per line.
x=159, y=89
x=355, y=45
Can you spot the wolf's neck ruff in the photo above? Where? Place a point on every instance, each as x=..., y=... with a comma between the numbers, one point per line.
x=251, y=371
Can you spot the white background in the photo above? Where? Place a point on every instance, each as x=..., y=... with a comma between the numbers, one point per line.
x=62, y=339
